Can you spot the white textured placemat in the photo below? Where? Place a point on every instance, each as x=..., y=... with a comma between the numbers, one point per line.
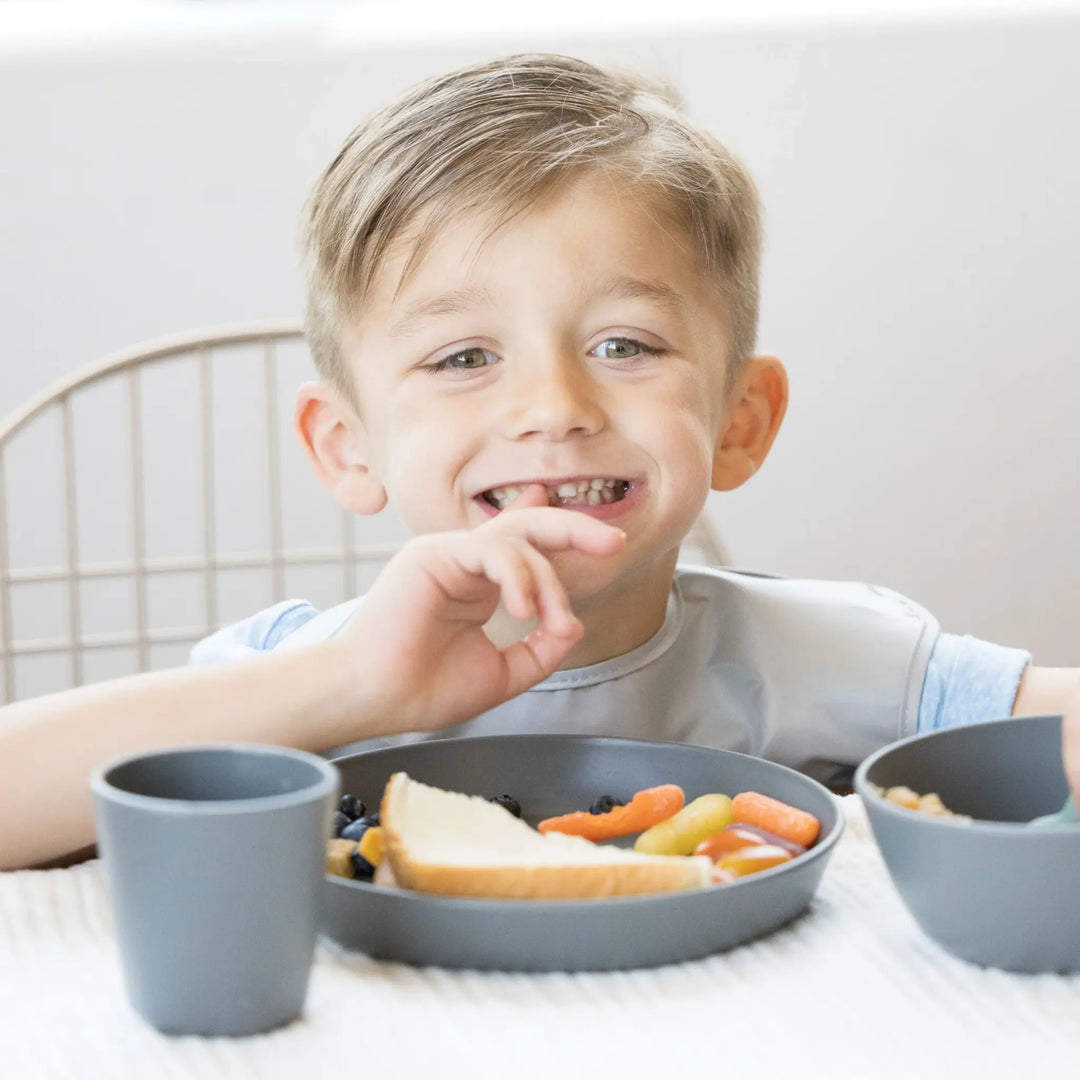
x=851, y=989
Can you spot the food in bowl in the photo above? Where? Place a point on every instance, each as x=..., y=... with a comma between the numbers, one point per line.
x=452, y=844
x=607, y=819
x=930, y=803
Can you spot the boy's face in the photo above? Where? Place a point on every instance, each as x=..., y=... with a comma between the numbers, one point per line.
x=579, y=346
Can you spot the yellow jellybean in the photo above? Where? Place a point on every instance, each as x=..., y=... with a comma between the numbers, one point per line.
x=679, y=835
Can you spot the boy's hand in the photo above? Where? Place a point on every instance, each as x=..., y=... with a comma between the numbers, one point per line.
x=417, y=642
x=1070, y=744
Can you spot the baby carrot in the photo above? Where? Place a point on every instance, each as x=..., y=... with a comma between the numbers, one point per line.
x=778, y=817
x=644, y=810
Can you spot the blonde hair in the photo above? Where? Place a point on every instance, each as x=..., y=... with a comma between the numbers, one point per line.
x=494, y=138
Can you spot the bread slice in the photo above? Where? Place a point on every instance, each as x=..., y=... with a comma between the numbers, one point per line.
x=462, y=845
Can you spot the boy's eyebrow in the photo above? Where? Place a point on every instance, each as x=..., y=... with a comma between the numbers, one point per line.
x=471, y=297
x=627, y=285
x=467, y=298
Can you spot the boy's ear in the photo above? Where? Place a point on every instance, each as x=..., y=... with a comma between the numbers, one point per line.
x=335, y=441
x=756, y=408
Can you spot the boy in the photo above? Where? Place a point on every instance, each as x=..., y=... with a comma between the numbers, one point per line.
x=535, y=281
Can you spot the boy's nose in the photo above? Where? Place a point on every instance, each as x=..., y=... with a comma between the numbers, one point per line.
x=554, y=399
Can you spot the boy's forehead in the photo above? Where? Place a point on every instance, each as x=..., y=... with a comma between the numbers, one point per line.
x=440, y=255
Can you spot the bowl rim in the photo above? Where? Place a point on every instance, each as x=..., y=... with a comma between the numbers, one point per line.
x=866, y=791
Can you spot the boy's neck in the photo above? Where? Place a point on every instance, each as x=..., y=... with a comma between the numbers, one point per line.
x=616, y=621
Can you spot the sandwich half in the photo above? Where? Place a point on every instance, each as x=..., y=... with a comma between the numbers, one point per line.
x=452, y=844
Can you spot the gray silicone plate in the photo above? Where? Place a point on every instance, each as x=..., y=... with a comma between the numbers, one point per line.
x=553, y=774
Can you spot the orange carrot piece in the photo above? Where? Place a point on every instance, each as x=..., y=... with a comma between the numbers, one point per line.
x=778, y=817
x=646, y=809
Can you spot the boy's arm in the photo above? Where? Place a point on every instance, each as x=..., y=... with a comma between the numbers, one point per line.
x=1070, y=743
x=1045, y=690
x=415, y=657
x=50, y=745
x=1055, y=690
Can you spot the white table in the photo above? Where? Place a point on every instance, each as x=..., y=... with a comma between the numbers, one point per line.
x=851, y=989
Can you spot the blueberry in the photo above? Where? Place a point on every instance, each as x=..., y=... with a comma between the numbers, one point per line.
x=338, y=822
x=374, y=818
x=604, y=804
x=361, y=868
x=507, y=802
x=351, y=807
x=355, y=829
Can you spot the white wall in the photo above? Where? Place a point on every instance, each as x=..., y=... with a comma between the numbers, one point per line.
x=919, y=178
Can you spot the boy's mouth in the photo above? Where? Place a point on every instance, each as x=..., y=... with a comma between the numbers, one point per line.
x=594, y=492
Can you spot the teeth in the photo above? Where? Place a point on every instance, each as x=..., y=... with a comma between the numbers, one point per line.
x=594, y=492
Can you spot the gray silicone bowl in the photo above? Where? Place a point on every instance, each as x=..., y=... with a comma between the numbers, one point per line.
x=992, y=891
x=550, y=774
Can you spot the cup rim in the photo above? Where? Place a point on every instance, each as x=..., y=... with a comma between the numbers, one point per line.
x=327, y=781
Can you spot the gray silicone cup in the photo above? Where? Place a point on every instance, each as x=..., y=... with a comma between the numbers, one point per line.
x=215, y=857
x=551, y=774
x=992, y=891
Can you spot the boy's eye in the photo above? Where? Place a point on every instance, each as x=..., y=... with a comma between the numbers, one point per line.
x=466, y=360
x=621, y=348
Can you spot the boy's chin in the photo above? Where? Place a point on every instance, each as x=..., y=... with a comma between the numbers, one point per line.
x=585, y=576
x=588, y=578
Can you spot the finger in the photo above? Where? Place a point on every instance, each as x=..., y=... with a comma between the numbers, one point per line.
x=509, y=565
x=527, y=582
x=531, y=495
x=555, y=529
x=550, y=599
x=537, y=656
x=504, y=563
x=541, y=592
x=532, y=587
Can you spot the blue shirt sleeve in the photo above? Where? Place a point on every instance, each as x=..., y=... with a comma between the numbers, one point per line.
x=969, y=680
x=251, y=637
